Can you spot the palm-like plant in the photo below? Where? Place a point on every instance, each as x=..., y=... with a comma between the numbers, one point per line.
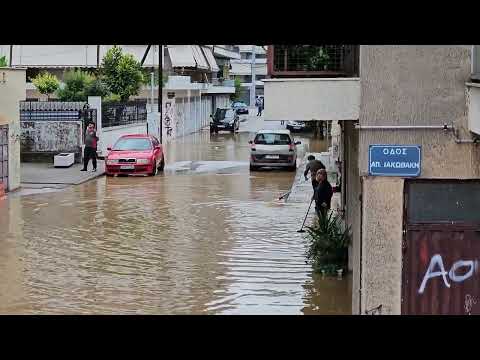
x=328, y=244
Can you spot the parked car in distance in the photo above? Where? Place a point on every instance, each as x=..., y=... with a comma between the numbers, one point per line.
x=224, y=119
x=240, y=107
x=135, y=154
x=273, y=148
x=295, y=125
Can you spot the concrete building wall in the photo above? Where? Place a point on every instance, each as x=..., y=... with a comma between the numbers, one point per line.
x=407, y=85
x=381, y=276
x=12, y=91
x=312, y=99
x=352, y=189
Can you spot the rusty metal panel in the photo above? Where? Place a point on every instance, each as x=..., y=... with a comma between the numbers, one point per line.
x=441, y=273
x=441, y=258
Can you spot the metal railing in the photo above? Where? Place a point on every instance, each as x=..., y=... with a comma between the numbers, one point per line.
x=56, y=111
x=117, y=114
x=334, y=60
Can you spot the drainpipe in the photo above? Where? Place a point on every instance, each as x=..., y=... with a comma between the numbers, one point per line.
x=404, y=127
x=444, y=127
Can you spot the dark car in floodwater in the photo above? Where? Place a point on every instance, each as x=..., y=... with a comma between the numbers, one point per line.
x=240, y=107
x=224, y=119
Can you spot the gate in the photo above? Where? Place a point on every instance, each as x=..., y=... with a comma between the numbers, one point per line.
x=4, y=155
x=441, y=248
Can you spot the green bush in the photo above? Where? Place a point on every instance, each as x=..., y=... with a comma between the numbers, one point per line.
x=3, y=61
x=46, y=83
x=96, y=88
x=75, y=84
x=328, y=244
x=112, y=98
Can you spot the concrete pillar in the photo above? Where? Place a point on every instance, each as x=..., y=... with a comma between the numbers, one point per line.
x=12, y=91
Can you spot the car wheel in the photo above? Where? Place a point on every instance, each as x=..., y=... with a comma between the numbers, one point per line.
x=109, y=175
x=162, y=165
x=253, y=167
x=155, y=170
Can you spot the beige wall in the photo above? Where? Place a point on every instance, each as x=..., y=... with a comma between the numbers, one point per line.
x=382, y=244
x=12, y=91
x=352, y=206
x=407, y=85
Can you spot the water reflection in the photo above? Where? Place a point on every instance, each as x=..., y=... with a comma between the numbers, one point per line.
x=184, y=242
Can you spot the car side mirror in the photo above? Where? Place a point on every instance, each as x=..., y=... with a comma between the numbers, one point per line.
x=250, y=142
x=109, y=148
x=298, y=142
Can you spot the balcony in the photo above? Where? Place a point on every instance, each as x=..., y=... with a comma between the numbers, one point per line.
x=473, y=104
x=312, y=99
x=313, y=61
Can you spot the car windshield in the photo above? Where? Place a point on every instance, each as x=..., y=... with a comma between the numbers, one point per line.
x=224, y=113
x=273, y=139
x=239, y=104
x=133, y=144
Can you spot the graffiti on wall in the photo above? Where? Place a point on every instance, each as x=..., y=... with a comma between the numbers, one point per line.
x=168, y=120
x=436, y=268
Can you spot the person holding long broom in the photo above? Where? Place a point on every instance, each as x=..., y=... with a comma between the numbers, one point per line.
x=323, y=193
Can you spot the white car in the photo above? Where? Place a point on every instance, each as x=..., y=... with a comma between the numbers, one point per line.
x=295, y=125
x=273, y=148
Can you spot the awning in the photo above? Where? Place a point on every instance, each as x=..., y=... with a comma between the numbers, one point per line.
x=211, y=59
x=228, y=54
x=181, y=56
x=199, y=58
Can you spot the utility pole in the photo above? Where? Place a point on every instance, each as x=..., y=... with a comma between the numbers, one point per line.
x=98, y=56
x=11, y=53
x=152, y=80
x=160, y=85
x=252, y=88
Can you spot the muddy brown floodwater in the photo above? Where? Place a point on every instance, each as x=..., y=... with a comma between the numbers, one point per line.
x=204, y=237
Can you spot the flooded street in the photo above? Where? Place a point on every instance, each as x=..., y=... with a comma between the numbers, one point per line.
x=205, y=237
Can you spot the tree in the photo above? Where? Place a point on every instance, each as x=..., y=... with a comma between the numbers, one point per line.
x=122, y=74
x=75, y=83
x=238, y=89
x=96, y=88
x=46, y=83
x=3, y=61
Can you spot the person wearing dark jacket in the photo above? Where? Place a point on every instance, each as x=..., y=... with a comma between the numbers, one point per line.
x=323, y=193
x=313, y=166
x=90, y=151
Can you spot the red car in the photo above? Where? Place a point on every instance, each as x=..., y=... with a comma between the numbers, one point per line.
x=135, y=154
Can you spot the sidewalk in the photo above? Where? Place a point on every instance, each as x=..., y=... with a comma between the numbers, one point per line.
x=302, y=191
x=35, y=175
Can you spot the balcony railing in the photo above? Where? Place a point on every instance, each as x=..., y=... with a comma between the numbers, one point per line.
x=313, y=60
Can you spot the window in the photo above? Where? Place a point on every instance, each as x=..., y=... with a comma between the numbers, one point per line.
x=273, y=139
x=133, y=144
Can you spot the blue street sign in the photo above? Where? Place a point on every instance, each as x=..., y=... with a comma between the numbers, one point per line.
x=395, y=160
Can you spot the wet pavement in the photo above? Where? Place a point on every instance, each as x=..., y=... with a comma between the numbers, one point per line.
x=205, y=237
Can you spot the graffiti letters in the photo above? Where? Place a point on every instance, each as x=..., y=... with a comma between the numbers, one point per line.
x=436, y=268
x=168, y=119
